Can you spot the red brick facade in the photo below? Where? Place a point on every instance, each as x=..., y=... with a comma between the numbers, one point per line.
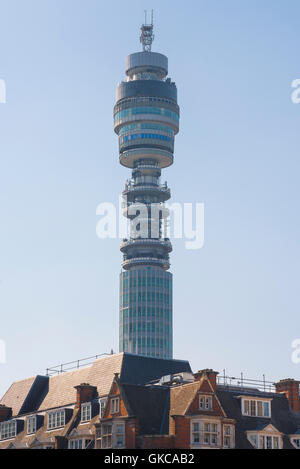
x=180, y=411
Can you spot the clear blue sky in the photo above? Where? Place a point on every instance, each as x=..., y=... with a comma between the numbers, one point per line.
x=236, y=301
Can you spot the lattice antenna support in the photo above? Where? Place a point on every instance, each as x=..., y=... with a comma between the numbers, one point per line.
x=147, y=36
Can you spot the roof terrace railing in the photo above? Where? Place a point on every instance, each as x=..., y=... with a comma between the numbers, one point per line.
x=74, y=365
x=246, y=383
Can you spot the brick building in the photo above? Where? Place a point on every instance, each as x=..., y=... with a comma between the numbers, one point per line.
x=128, y=401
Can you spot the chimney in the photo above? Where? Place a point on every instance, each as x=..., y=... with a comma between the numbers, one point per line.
x=290, y=388
x=85, y=393
x=5, y=413
x=61, y=442
x=211, y=376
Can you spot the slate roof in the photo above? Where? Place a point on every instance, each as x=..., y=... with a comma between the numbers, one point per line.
x=282, y=418
x=41, y=393
x=142, y=370
x=182, y=396
x=22, y=395
x=151, y=404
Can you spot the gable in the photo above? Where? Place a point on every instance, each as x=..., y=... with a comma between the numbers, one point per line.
x=205, y=386
x=270, y=429
x=115, y=393
x=216, y=411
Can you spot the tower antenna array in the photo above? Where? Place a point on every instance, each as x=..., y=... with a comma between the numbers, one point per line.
x=147, y=36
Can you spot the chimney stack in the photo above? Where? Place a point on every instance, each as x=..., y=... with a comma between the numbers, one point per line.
x=5, y=413
x=290, y=388
x=211, y=376
x=85, y=393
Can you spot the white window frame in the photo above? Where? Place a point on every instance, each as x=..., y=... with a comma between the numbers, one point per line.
x=31, y=425
x=76, y=443
x=206, y=428
x=197, y=432
x=229, y=436
x=205, y=402
x=86, y=412
x=102, y=404
x=56, y=419
x=8, y=430
x=262, y=440
x=251, y=407
x=293, y=441
x=115, y=405
x=119, y=434
x=110, y=439
x=107, y=436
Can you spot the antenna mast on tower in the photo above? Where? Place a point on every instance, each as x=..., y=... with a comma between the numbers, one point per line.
x=147, y=36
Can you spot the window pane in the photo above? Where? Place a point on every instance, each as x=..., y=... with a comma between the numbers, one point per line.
x=246, y=407
x=266, y=409
x=259, y=409
x=253, y=408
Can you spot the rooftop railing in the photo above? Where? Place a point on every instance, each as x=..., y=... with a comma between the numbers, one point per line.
x=244, y=383
x=74, y=365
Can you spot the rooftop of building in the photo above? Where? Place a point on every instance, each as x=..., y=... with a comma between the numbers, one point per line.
x=41, y=393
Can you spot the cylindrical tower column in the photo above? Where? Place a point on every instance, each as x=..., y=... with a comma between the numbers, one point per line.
x=146, y=120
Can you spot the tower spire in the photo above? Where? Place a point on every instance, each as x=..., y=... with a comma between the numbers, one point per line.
x=147, y=36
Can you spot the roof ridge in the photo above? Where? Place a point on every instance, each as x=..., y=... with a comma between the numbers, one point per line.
x=154, y=358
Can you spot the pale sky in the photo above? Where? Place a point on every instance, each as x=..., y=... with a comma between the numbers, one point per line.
x=236, y=300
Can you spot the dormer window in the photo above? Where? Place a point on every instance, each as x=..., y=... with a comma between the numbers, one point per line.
x=115, y=405
x=256, y=408
x=205, y=403
x=79, y=444
x=31, y=425
x=8, y=430
x=265, y=441
x=295, y=440
x=86, y=412
x=56, y=419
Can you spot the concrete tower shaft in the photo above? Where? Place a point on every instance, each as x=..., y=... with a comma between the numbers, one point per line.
x=146, y=120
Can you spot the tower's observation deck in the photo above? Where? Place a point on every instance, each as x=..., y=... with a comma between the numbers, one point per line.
x=146, y=120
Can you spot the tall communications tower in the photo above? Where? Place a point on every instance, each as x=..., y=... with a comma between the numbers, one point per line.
x=146, y=120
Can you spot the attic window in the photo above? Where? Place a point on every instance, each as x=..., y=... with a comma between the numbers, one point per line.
x=56, y=419
x=296, y=442
x=8, y=430
x=256, y=408
x=263, y=440
x=86, y=412
x=115, y=405
x=31, y=425
x=205, y=403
